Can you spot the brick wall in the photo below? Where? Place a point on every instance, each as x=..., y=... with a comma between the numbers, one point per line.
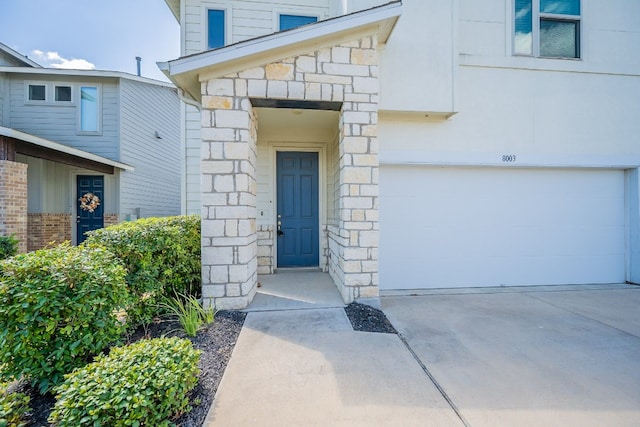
x=48, y=229
x=13, y=201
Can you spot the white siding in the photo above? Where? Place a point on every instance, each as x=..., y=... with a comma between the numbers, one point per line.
x=59, y=122
x=192, y=149
x=154, y=186
x=7, y=60
x=249, y=18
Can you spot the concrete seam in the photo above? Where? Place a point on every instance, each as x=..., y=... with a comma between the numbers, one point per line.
x=434, y=381
x=581, y=315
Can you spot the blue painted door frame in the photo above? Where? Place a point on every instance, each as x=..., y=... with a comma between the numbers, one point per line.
x=297, y=204
x=85, y=219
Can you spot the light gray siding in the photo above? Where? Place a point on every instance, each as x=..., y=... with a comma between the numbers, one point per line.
x=249, y=19
x=7, y=60
x=51, y=187
x=154, y=186
x=59, y=121
x=192, y=160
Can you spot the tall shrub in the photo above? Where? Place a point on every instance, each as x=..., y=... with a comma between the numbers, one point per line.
x=58, y=309
x=8, y=246
x=162, y=258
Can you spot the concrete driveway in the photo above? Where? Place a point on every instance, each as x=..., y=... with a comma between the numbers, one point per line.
x=541, y=356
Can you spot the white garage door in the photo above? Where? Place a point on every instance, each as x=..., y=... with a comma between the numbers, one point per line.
x=443, y=227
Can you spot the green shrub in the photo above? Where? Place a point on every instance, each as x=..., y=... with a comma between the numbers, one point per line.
x=8, y=247
x=162, y=258
x=57, y=310
x=189, y=312
x=13, y=408
x=145, y=383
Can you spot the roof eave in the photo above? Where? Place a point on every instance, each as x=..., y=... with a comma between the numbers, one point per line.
x=185, y=72
x=174, y=6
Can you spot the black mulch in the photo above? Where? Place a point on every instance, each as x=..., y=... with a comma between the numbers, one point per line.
x=365, y=318
x=216, y=342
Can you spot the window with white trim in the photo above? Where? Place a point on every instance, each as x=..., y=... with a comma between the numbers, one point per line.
x=288, y=22
x=37, y=92
x=89, y=109
x=62, y=93
x=547, y=28
x=216, y=28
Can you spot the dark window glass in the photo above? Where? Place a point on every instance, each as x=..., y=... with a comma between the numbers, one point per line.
x=559, y=39
x=63, y=93
x=523, y=43
x=37, y=93
x=288, y=22
x=560, y=7
x=216, y=28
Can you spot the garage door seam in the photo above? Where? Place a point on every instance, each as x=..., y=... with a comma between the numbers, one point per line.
x=434, y=381
x=581, y=315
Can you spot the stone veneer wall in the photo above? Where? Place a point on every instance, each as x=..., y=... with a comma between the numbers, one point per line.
x=266, y=257
x=346, y=73
x=13, y=201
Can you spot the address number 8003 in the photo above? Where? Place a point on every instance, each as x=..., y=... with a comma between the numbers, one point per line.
x=509, y=158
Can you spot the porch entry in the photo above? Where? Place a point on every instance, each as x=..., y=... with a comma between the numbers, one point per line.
x=297, y=209
x=90, y=204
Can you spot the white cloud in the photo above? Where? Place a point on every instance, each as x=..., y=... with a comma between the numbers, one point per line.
x=54, y=60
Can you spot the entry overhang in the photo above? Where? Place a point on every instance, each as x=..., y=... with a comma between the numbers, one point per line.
x=34, y=146
x=187, y=72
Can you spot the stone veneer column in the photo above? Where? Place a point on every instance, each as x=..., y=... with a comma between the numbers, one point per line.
x=358, y=183
x=346, y=73
x=229, y=249
x=13, y=201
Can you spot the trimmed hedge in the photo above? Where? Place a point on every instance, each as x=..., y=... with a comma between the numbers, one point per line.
x=162, y=258
x=8, y=247
x=145, y=383
x=13, y=408
x=57, y=310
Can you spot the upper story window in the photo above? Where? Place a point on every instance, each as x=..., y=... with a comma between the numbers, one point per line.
x=37, y=92
x=216, y=28
x=292, y=21
x=63, y=93
x=547, y=28
x=89, y=110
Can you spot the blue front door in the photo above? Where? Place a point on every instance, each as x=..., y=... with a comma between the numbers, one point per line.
x=90, y=204
x=298, y=229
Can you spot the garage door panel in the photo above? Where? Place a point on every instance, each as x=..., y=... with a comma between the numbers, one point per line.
x=491, y=227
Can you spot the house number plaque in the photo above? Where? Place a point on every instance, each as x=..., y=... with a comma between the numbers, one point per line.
x=508, y=158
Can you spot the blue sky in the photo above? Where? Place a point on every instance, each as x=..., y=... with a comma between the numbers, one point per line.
x=105, y=34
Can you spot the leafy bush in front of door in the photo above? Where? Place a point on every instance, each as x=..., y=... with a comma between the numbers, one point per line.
x=145, y=383
x=14, y=407
x=162, y=258
x=58, y=309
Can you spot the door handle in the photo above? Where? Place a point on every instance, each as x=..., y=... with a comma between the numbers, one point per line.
x=279, y=223
x=78, y=219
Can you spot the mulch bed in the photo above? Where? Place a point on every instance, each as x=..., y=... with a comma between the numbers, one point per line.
x=216, y=343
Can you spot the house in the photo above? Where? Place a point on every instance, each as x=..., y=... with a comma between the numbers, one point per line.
x=80, y=150
x=412, y=145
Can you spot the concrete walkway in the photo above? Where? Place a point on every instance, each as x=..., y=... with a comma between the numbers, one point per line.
x=518, y=357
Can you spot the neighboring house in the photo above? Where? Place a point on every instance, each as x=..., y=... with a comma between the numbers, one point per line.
x=66, y=133
x=411, y=145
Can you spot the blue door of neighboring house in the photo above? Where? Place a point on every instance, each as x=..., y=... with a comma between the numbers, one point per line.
x=90, y=204
x=298, y=228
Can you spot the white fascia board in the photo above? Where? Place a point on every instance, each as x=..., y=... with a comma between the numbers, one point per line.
x=18, y=56
x=42, y=142
x=283, y=39
x=84, y=73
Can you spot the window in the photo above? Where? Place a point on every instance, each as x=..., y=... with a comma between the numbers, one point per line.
x=215, y=28
x=63, y=93
x=89, y=109
x=37, y=93
x=288, y=22
x=547, y=28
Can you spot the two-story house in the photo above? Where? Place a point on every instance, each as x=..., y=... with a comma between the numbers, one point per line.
x=412, y=145
x=80, y=150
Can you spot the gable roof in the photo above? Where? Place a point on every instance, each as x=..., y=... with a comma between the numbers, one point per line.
x=18, y=57
x=185, y=71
